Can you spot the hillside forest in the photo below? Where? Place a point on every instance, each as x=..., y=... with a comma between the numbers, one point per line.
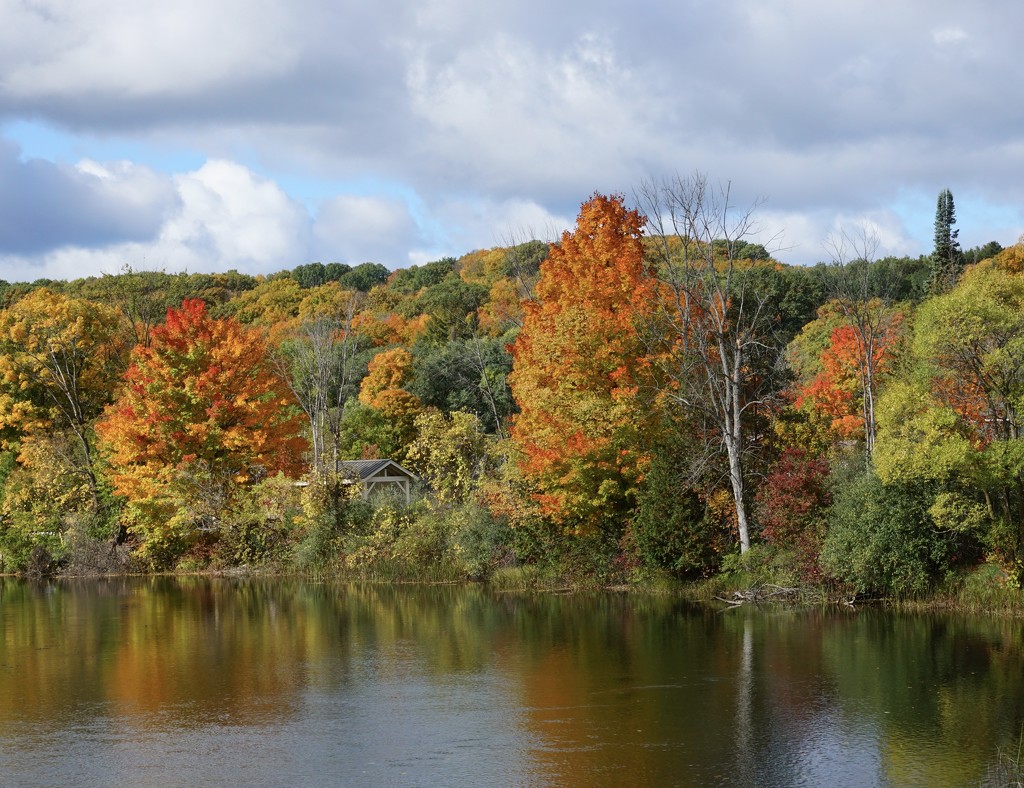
x=652, y=397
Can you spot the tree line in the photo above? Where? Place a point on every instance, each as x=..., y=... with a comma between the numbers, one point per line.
x=651, y=395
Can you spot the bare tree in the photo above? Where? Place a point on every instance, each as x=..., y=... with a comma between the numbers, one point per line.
x=319, y=366
x=526, y=249
x=713, y=327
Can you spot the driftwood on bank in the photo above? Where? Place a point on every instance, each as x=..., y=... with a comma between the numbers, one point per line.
x=773, y=593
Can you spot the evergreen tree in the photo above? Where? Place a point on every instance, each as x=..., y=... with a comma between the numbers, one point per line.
x=947, y=261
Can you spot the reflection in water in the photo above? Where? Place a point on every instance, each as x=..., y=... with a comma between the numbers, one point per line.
x=196, y=680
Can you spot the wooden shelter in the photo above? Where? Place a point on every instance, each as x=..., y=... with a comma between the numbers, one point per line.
x=380, y=475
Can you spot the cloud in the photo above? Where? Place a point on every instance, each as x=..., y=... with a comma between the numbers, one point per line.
x=66, y=48
x=224, y=216
x=830, y=111
x=356, y=228
x=45, y=206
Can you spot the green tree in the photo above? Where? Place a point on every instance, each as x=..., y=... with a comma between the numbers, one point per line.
x=947, y=261
x=468, y=375
x=881, y=537
x=956, y=416
x=363, y=277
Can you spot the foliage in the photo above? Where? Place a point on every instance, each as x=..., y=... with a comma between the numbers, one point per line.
x=465, y=375
x=881, y=538
x=672, y=529
x=257, y=527
x=321, y=359
x=414, y=278
x=200, y=415
x=451, y=306
x=655, y=410
x=332, y=508
x=450, y=453
x=851, y=364
x=401, y=541
x=947, y=261
x=792, y=508
x=59, y=358
x=383, y=390
x=481, y=541
x=576, y=368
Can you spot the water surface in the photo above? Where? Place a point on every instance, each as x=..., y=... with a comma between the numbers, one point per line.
x=187, y=681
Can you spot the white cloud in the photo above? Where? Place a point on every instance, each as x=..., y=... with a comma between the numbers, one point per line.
x=44, y=205
x=74, y=47
x=232, y=217
x=226, y=217
x=948, y=35
x=493, y=116
x=364, y=229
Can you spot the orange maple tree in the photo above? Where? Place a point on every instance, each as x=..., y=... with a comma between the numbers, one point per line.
x=576, y=363
x=200, y=413
x=838, y=390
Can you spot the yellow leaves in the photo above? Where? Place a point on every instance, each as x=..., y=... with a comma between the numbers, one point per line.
x=1011, y=259
x=46, y=483
x=449, y=452
x=386, y=373
x=62, y=354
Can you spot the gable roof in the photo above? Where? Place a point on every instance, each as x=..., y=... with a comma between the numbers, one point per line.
x=366, y=469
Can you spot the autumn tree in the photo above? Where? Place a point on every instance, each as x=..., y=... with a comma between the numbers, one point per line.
x=576, y=364
x=449, y=453
x=318, y=358
x=835, y=377
x=59, y=358
x=199, y=416
x=383, y=391
x=711, y=343
x=865, y=302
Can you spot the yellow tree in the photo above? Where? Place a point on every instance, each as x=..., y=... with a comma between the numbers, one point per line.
x=59, y=359
x=200, y=414
x=382, y=390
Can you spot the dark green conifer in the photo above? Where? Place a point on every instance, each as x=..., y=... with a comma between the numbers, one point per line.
x=947, y=261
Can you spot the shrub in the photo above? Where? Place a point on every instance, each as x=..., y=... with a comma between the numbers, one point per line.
x=881, y=538
x=672, y=528
x=791, y=508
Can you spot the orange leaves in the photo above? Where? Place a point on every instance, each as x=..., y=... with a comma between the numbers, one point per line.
x=199, y=394
x=386, y=374
x=851, y=364
x=576, y=363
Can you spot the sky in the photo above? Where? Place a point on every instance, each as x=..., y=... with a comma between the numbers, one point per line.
x=258, y=135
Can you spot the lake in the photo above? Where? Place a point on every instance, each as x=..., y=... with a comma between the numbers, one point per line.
x=212, y=681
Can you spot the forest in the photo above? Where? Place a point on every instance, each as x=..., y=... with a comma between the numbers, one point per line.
x=651, y=399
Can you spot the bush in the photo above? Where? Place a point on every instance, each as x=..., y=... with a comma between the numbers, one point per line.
x=482, y=541
x=990, y=586
x=402, y=541
x=791, y=508
x=672, y=528
x=90, y=548
x=881, y=538
x=331, y=510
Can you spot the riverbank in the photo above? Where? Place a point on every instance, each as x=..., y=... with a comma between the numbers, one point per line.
x=974, y=593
